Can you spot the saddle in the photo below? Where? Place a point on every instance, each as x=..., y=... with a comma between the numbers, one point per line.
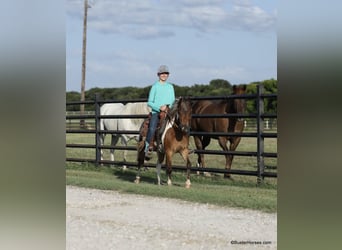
x=156, y=138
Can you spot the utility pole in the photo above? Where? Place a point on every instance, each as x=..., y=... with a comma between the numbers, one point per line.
x=86, y=6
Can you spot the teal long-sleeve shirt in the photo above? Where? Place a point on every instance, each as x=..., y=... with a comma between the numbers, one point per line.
x=161, y=94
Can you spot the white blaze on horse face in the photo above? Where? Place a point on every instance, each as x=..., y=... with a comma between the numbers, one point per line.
x=168, y=125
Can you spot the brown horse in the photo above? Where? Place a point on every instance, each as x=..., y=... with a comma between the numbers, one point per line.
x=225, y=125
x=175, y=139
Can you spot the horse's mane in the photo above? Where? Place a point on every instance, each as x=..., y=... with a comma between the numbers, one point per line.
x=173, y=111
x=176, y=106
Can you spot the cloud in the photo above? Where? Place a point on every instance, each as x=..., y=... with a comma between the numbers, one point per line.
x=183, y=3
x=204, y=18
x=134, y=31
x=150, y=32
x=203, y=74
x=149, y=19
x=252, y=18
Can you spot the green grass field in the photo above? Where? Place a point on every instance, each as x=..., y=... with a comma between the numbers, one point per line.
x=240, y=191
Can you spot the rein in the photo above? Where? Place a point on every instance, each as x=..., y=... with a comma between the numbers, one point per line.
x=174, y=113
x=176, y=121
x=176, y=124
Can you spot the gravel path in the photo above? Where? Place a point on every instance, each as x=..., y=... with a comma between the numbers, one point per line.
x=105, y=220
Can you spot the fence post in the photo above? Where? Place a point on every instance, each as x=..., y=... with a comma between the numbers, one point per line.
x=260, y=130
x=97, y=133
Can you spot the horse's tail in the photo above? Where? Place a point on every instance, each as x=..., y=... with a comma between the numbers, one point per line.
x=142, y=135
x=102, y=128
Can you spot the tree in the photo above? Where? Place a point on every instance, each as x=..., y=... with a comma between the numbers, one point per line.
x=270, y=87
x=220, y=83
x=72, y=96
x=216, y=87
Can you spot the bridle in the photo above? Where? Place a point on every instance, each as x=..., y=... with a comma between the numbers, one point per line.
x=185, y=129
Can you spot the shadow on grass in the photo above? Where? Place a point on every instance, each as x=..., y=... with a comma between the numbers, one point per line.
x=146, y=176
x=130, y=175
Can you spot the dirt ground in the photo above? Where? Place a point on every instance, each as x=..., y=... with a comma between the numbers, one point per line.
x=104, y=220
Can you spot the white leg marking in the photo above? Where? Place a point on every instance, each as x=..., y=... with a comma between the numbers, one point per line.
x=158, y=171
x=187, y=183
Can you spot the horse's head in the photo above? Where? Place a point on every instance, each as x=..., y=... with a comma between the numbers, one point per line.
x=238, y=105
x=183, y=114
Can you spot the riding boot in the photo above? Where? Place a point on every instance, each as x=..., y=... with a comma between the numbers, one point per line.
x=148, y=151
x=152, y=144
x=146, y=147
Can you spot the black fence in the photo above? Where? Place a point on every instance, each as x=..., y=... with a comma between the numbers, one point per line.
x=260, y=134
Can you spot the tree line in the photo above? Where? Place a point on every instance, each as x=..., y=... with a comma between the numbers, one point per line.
x=216, y=87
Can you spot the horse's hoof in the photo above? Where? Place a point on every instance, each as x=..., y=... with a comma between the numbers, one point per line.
x=137, y=180
x=187, y=184
x=208, y=174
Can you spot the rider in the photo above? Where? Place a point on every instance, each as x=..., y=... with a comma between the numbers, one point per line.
x=161, y=96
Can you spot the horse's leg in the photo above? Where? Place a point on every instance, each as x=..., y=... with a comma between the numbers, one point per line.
x=141, y=149
x=234, y=142
x=205, y=143
x=102, y=138
x=169, y=154
x=115, y=139
x=140, y=159
x=137, y=177
x=198, y=143
x=185, y=155
x=159, y=163
x=223, y=143
x=188, y=166
x=124, y=142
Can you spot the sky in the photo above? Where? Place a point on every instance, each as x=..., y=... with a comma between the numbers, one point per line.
x=199, y=40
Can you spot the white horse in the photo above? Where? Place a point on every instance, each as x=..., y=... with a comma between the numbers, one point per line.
x=115, y=124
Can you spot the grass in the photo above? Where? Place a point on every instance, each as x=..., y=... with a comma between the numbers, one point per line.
x=240, y=192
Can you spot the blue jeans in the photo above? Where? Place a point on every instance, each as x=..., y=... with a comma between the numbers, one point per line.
x=152, y=127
